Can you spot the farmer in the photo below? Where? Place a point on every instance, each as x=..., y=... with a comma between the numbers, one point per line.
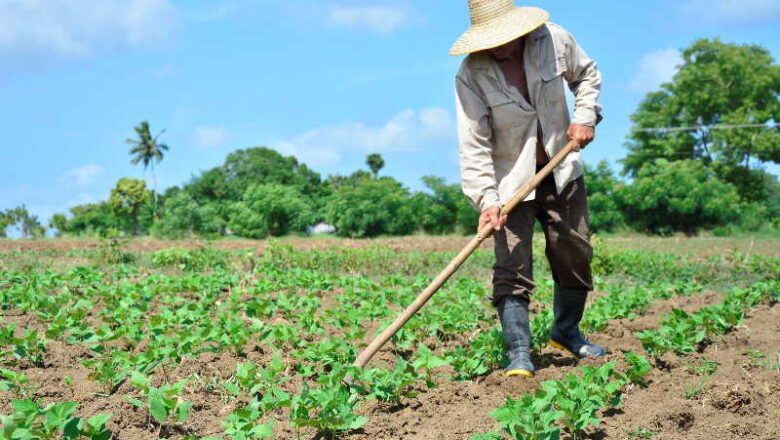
x=512, y=117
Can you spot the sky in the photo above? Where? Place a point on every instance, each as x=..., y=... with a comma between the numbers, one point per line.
x=329, y=81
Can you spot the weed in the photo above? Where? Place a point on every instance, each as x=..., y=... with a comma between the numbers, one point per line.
x=703, y=368
x=761, y=360
x=638, y=433
x=696, y=387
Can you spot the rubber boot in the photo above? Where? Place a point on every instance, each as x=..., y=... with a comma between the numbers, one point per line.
x=513, y=312
x=568, y=306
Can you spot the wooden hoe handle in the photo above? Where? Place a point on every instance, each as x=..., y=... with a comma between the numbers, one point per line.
x=366, y=355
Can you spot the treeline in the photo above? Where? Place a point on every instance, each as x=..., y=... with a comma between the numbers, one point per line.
x=258, y=193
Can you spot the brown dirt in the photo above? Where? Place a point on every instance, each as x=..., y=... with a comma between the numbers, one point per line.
x=740, y=400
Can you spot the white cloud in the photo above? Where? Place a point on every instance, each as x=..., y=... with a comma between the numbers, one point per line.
x=85, y=175
x=655, y=68
x=213, y=12
x=69, y=28
x=377, y=18
x=409, y=130
x=732, y=11
x=211, y=137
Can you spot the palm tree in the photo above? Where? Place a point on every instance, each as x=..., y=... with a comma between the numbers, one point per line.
x=375, y=163
x=146, y=150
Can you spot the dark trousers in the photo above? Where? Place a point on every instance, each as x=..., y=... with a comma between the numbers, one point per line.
x=564, y=219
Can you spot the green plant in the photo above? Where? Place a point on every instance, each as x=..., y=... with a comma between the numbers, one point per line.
x=580, y=398
x=427, y=361
x=242, y=424
x=15, y=382
x=30, y=346
x=693, y=389
x=111, y=248
x=639, y=368
x=391, y=386
x=759, y=359
x=191, y=260
x=703, y=367
x=637, y=433
x=484, y=352
x=532, y=417
x=56, y=421
x=164, y=403
x=330, y=408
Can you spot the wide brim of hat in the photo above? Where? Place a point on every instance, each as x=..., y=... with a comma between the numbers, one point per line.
x=500, y=31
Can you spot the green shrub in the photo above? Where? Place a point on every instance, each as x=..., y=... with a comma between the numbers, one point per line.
x=270, y=210
x=375, y=207
x=679, y=196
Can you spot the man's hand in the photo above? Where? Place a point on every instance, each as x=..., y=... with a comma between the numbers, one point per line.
x=491, y=216
x=581, y=135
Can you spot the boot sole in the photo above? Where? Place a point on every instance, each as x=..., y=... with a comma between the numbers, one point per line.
x=518, y=372
x=560, y=346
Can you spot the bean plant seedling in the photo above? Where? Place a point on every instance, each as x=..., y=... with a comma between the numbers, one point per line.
x=290, y=323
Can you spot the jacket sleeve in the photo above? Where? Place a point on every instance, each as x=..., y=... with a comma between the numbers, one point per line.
x=474, y=136
x=584, y=80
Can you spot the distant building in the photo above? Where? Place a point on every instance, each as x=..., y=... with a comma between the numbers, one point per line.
x=322, y=228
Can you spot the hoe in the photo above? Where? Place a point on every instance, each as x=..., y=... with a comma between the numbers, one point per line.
x=365, y=356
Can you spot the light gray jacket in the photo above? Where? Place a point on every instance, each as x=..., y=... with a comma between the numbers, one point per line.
x=497, y=127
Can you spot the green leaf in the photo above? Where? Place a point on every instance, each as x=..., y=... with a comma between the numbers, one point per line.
x=183, y=412
x=135, y=402
x=71, y=428
x=98, y=421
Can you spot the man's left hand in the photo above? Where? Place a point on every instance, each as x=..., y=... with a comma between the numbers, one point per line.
x=581, y=135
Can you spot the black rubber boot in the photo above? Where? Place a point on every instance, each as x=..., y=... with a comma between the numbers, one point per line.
x=568, y=306
x=513, y=312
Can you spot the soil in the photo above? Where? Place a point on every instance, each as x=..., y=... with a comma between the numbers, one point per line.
x=740, y=400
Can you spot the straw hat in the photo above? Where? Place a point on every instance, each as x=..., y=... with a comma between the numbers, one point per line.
x=497, y=22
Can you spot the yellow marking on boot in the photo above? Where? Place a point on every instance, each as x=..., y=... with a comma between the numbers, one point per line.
x=518, y=372
x=560, y=346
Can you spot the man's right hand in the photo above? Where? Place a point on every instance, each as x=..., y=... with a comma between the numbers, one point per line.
x=491, y=216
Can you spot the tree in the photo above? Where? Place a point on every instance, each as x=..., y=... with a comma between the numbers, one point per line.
x=147, y=150
x=681, y=196
x=5, y=221
x=59, y=223
x=376, y=207
x=183, y=215
x=91, y=218
x=443, y=208
x=717, y=84
x=336, y=181
x=605, y=213
x=127, y=200
x=257, y=166
x=28, y=224
x=375, y=163
x=270, y=210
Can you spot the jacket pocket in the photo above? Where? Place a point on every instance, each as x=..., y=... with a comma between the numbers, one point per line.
x=552, y=82
x=553, y=68
x=508, y=121
x=503, y=111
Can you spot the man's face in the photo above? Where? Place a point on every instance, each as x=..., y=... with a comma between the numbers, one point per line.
x=505, y=51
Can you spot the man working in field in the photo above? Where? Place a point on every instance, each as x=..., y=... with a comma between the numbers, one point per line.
x=512, y=117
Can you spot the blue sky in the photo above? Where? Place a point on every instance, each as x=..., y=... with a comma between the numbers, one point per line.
x=329, y=81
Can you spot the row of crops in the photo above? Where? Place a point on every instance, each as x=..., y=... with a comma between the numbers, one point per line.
x=293, y=322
